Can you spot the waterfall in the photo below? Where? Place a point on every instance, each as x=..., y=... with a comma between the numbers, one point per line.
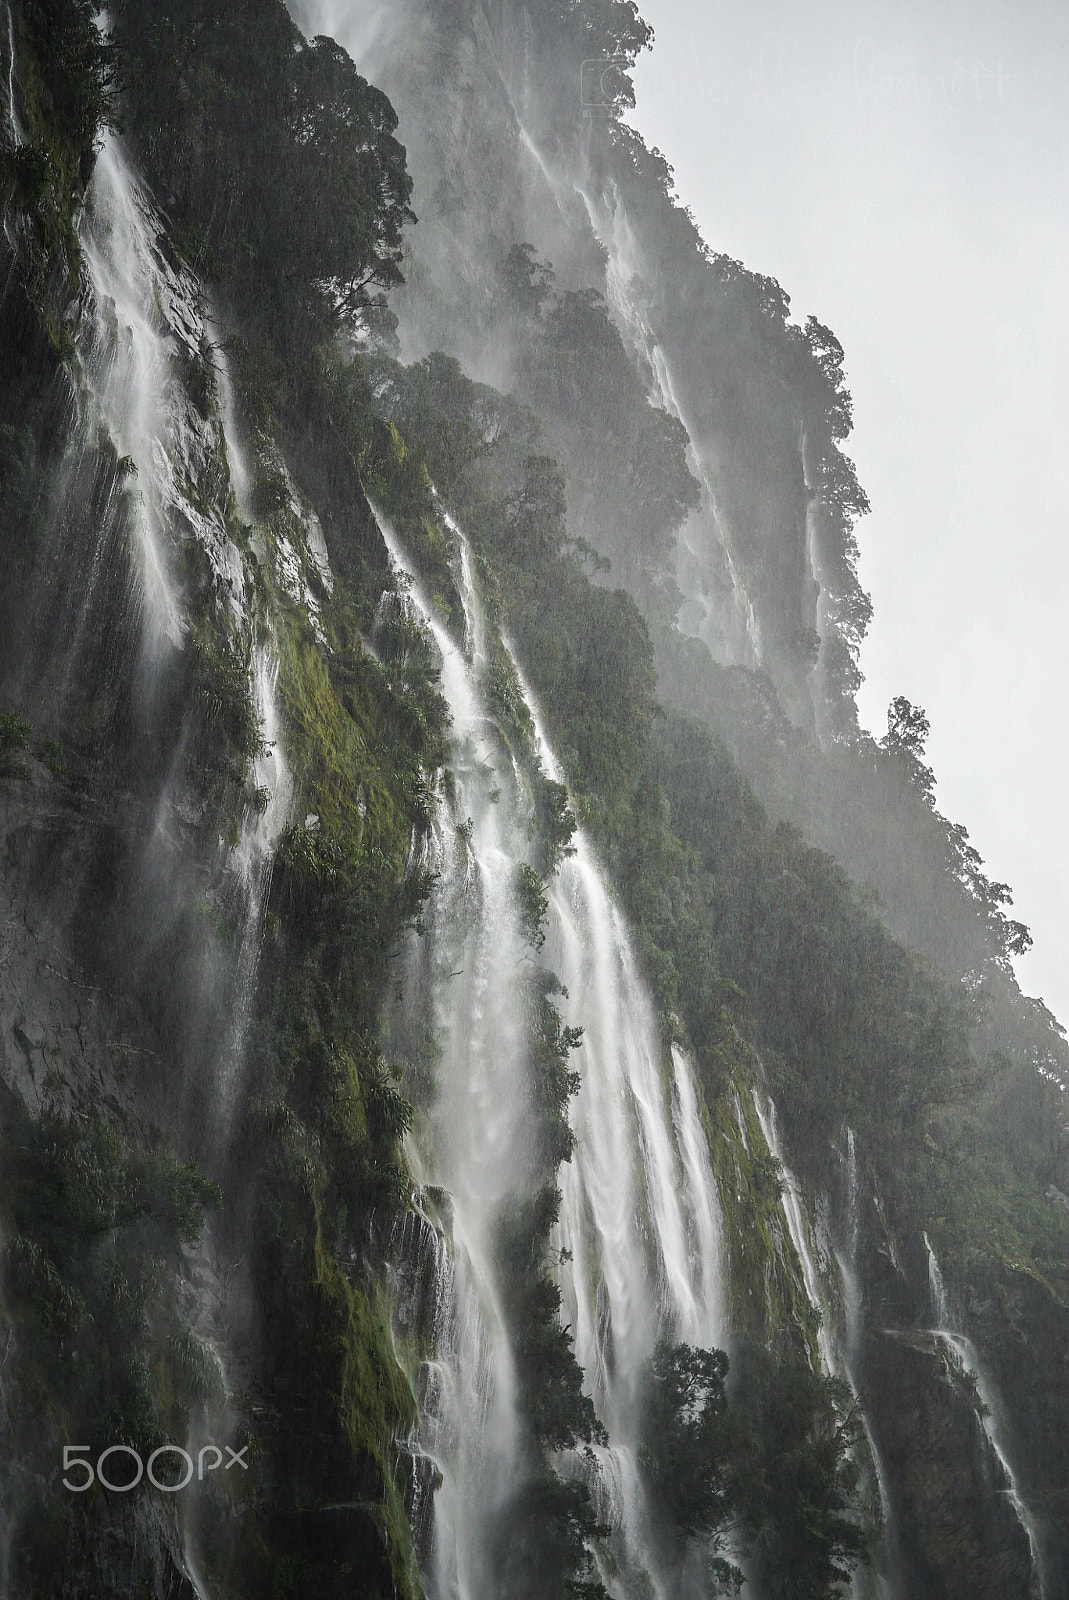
x=732, y=630
x=14, y=126
x=250, y=863
x=640, y=1213
x=848, y=1262
x=837, y=1360
x=128, y=364
x=733, y=635
x=477, y=1145
x=235, y=450
x=794, y=1214
x=961, y=1353
x=936, y=1287
x=639, y=1227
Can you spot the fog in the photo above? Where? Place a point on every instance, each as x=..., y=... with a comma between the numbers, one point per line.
x=900, y=169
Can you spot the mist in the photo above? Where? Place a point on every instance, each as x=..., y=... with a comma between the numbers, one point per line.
x=899, y=169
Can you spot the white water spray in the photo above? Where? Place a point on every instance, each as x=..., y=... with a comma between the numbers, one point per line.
x=936, y=1287
x=14, y=126
x=240, y=480
x=962, y=1353
x=250, y=865
x=476, y=1146
x=129, y=364
x=639, y=1214
x=732, y=632
x=836, y=1360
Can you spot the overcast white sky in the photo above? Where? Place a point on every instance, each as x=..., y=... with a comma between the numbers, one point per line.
x=903, y=171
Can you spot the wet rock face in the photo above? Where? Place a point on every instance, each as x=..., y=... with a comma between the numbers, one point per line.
x=65, y=1039
x=960, y=1536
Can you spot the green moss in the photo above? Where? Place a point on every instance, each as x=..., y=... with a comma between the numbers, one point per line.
x=765, y=1286
x=64, y=70
x=196, y=1368
x=101, y=1216
x=329, y=749
x=375, y=1402
x=197, y=370
x=15, y=732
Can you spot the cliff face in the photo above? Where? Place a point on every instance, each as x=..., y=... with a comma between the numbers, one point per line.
x=429, y=1074
x=514, y=140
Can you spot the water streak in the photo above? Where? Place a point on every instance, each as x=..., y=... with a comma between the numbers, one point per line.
x=477, y=1144
x=129, y=365
x=937, y=1288
x=735, y=635
x=963, y=1353
x=640, y=1218
x=639, y=1227
x=13, y=122
x=836, y=1361
x=250, y=865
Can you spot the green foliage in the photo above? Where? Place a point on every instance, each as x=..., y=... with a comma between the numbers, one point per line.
x=33, y=1281
x=543, y=1550
x=199, y=378
x=828, y=987
x=688, y=1441
x=64, y=70
x=532, y=904
x=776, y=1460
x=98, y=1215
x=280, y=156
x=549, y=1044
x=550, y=1380
x=602, y=31
x=797, y=1476
x=827, y=357
x=626, y=464
x=526, y=281
x=907, y=730
x=556, y=824
x=221, y=679
x=544, y=1533
x=198, y=1374
x=583, y=371
x=15, y=732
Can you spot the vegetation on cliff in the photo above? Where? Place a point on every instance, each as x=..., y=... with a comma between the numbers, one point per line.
x=288, y=195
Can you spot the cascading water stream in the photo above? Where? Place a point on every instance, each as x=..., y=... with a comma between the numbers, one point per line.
x=128, y=364
x=477, y=1146
x=250, y=865
x=640, y=1216
x=14, y=127
x=235, y=450
x=791, y=1203
x=962, y=1352
x=639, y=1213
x=936, y=1287
x=735, y=634
x=839, y=1361
x=702, y=539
